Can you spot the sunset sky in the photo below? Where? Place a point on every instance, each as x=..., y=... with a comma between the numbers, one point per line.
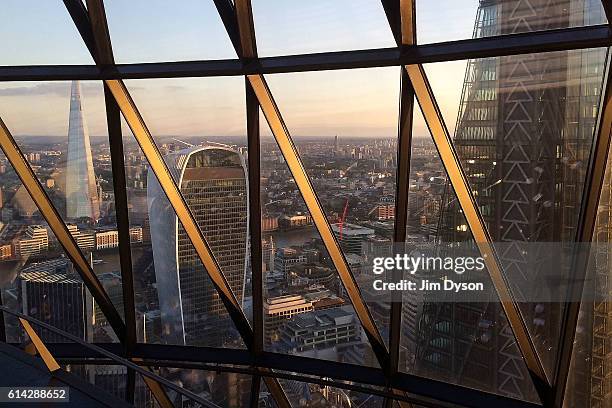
x=348, y=103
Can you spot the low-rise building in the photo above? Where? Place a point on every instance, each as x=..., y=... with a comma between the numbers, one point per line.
x=279, y=309
x=321, y=329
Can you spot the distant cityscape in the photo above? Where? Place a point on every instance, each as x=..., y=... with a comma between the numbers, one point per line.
x=306, y=310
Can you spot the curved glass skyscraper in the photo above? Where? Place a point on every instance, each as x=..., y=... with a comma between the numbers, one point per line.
x=213, y=182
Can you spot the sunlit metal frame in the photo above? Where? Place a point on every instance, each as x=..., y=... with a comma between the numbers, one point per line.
x=238, y=21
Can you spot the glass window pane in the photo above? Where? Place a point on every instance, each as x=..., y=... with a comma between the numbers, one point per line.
x=523, y=130
x=198, y=124
x=344, y=125
x=284, y=28
x=484, y=18
x=40, y=32
x=158, y=30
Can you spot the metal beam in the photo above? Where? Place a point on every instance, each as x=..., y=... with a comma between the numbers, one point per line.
x=591, y=194
x=57, y=225
x=285, y=143
x=80, y=17
x=255, y=387
x=452, y=165
x=40, y=346
x=511, y=44
x=194, y=357
x=406, y=16
x=226, y=11
x=392, y=11
x=252, y=116
x=408, y=22
x=99, y=27
x=607, y=5
x=2, y=322
x=246, y=28
x=115, y=139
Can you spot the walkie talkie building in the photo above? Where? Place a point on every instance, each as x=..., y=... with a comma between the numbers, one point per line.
x=212, y=180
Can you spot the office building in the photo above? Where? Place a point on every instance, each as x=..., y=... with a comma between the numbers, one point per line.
x=51, y=292
x=213, y=182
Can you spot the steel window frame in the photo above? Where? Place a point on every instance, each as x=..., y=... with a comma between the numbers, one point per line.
x=512, y=44
x=238, y=20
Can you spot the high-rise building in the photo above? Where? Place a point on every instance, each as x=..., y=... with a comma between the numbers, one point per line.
x=213, y=181
x=82, y=199
x=524, y=134
x=50, y=292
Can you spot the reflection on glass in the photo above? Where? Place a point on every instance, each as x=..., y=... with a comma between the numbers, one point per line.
x=524, y=131
x=75, y=171
x=500, y=17
x=469, y=344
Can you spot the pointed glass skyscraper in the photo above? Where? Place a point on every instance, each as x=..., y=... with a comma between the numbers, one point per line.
x=82, y=199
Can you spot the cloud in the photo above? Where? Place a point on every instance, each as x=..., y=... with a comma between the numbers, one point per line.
x=50, y=89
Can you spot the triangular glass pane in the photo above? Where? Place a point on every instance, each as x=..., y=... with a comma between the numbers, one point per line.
x=306, y=309
x=344, y=124
x=475, y=19
x=464, y=341
x=158, y=30
x=40, y=32
x=73, y=165
x=176, y=301
x=523, y=130
x=285, y=28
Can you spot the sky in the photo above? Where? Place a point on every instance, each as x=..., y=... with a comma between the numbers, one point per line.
x=347, y=103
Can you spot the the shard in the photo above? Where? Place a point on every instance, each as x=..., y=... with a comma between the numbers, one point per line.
x=82, y=199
